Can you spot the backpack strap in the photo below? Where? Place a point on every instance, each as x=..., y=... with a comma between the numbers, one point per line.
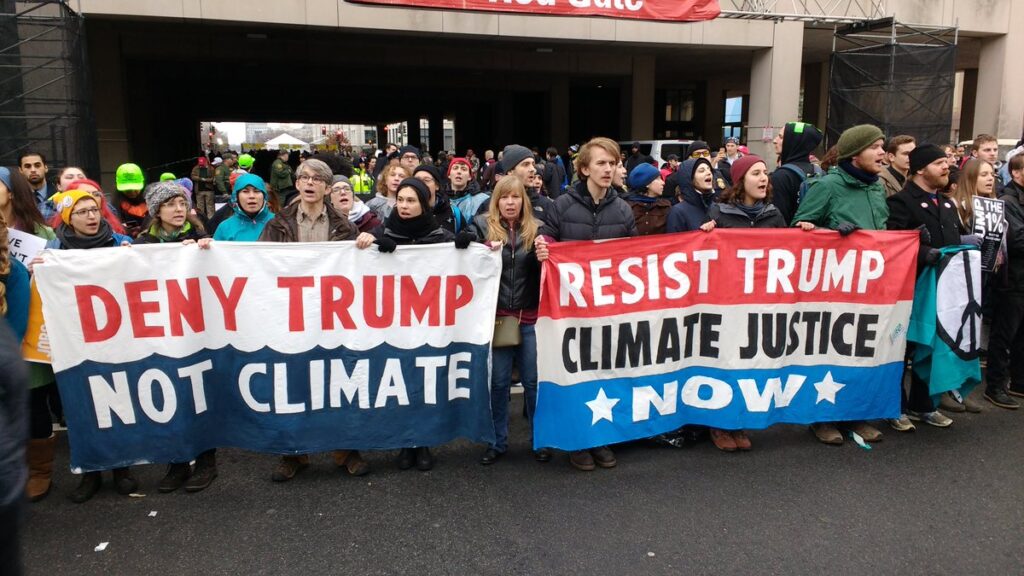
x=796, y=170
x=458, y=217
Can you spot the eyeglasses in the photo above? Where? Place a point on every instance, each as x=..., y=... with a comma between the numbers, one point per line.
x=308, y=178
x=410, y=157
x=701, y=154
x=86, y=212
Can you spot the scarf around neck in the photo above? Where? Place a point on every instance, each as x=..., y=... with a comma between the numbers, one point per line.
x=861, y=175
x=414, y=228
x=103, y=238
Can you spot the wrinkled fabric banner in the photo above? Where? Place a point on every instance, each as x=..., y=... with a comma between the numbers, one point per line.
x=731, y=329
x=164, y=351
x=669, y=10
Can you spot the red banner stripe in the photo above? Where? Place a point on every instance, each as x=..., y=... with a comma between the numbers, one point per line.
x=676, y=270
x=668, y=10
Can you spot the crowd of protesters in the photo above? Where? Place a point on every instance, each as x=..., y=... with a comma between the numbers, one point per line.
x=519, y=202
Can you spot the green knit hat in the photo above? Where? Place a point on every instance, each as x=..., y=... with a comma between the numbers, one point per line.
x=854, y=140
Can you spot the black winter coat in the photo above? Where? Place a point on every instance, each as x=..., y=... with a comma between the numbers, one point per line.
x=729, y=216
x=796, y=150
x=520, y=270
x=911, y=207
x=575, y=217
x=1013, y=195
x=13, y=418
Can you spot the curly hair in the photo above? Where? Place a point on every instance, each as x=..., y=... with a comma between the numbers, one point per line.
x=5, y=265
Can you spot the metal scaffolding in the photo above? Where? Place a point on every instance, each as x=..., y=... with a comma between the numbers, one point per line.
x=814, y=12
x=44, y=85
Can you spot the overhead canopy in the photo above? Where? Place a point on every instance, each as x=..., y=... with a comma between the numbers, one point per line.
x=672, y=10
x=286, y=141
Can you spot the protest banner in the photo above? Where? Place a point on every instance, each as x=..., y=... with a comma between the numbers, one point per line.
x=164, y=351
x=668, y=10
x=990, y=226
x=24, y=246
x=732, y=329
x=35, y=347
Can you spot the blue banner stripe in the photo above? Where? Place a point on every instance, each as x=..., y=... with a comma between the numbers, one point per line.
x=168, y=424
x=606, y=412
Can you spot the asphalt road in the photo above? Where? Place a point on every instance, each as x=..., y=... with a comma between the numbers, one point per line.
x=936, y=501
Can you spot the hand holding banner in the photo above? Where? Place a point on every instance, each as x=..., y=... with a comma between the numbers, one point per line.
x=164, y=351
x=731, y=329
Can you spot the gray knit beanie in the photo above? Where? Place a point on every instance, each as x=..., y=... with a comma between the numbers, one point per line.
x=513, y=155
x=158, y=193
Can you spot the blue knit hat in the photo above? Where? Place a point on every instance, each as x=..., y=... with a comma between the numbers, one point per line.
x=5, y=177
x=642, y=175
x=249, y=180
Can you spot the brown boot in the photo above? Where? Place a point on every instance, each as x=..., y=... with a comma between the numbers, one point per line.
x=40, y=468
x=289, y=466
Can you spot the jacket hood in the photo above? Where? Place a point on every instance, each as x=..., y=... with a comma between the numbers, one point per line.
x=799, y=139
x=685, y=179
x=261, y=215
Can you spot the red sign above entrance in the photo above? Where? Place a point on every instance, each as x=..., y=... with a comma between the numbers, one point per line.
x=670, y=10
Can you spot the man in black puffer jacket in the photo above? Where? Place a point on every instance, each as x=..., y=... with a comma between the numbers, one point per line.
x=589, y=211
x=13, y=439
x=798, y=140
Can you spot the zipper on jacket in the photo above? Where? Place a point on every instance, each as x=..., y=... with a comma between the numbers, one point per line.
x=512, y=283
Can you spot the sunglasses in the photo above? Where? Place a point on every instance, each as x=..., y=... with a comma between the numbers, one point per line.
x=701, y=154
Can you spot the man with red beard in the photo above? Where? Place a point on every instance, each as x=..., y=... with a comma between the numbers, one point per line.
x=921, y=205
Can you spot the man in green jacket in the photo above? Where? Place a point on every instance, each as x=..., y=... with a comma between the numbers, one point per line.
x=850, y=197
x=281, y=175
x=222, y=177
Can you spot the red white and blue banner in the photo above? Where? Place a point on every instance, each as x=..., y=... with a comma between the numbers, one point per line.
x=668, y=10
x=164, y=351
x=732, y=329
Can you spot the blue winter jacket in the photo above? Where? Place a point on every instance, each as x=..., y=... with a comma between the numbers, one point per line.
x=241, y=227
x=692, y=209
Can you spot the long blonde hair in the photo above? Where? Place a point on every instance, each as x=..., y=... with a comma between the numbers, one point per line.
x=967, y=188
x=527, y=223
x=382, y=185
x=5, y=264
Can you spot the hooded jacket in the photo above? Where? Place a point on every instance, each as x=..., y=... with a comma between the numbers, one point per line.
x=447, y=217
x=575, y=217
x=839, y=197
x=692, y=209
x=796, y=150
x=284, y=227
x=241, y=227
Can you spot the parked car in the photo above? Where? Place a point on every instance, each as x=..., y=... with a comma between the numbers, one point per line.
x=658, y=149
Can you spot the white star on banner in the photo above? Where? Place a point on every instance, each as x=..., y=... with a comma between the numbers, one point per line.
x=602, y=407
x=827, y=389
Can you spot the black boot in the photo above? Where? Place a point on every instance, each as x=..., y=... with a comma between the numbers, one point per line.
x=174, y=478
x=88, y=486
x=124, y=482
x=205, y=472
x=424, y=461
x=406, y=458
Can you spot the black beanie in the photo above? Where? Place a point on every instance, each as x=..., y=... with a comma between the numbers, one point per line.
x=409, y=150
x=924, y=155
x=422, y=192
x=432, y=170
x=696, y=146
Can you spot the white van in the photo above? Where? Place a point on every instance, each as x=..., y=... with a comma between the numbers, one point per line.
x=658, y=149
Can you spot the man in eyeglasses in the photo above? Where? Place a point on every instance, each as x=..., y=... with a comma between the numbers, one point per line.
x=312, y=219
x=409, y=157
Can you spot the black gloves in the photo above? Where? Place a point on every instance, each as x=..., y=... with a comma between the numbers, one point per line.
x=971, y=240
x=932, y=256
x=385, y=244
x=846, y=228
x=926, y=236
x=462, y=239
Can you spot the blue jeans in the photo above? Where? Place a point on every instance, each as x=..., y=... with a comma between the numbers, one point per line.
x=525, y=356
